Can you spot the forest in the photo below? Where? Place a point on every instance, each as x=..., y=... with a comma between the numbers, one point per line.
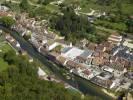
x=74, y=27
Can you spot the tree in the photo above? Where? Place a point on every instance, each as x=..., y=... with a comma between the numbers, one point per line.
x=44, y=2
x=72, y=26
x=7, y=21
x=41, y=12
x=129, y=24
x=24, y=5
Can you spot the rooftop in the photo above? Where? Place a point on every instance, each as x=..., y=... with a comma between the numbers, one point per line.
x=61, y=59
x=72, y=53
x=86, y=54
x=64, y=50
x=128, y=43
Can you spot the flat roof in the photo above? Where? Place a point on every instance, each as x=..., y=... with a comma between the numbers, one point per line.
x=64, y=50
x=86, y=53
x=73, y=52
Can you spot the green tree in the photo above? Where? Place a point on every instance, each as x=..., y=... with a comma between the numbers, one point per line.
x=24, y=5
x=44, y=2
x=129, y=24
x=7, y=21
x=72, y=26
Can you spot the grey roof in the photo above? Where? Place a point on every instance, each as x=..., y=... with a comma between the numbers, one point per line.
x=86, y=53
x=64, y=50
x=123, y=53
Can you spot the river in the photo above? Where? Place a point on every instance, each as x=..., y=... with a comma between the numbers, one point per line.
x=83, y=85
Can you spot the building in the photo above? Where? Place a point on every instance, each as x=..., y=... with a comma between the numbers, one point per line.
x=123, y=52
x=51, y=44
x=72, y=65
x=84, y=57
x=4, y=8
x=100, y=58
x=115, y=39
x=71, y=52
x=61, y=60
x=128, y=43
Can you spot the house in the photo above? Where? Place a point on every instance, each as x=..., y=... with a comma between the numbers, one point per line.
x=91, y=46
x=73, y=65
x=104, y=47
x=97, y=61
x=84, y=57
x=86, y=73
x=126, y=54
x=86, y=54
x=51, y=44
x=53, y=56
x=123, y=52
x=128, y=43
x=100, y=58
x=115, y=39
x=62, y=60
x=4, y=8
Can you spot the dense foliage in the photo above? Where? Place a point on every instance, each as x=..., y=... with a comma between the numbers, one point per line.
x=24, y=5
x=111, y=25
x=44, y=2
x=129, y=24
x=7, y=21
x=40, y=12
x=74, y=27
